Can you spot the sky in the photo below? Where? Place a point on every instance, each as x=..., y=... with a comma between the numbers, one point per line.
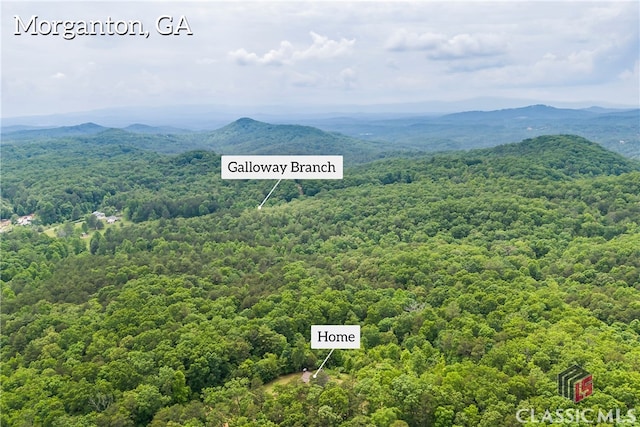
x=301, y=54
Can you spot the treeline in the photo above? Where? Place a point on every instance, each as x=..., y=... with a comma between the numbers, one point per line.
x=65, y=179
x=57, y=189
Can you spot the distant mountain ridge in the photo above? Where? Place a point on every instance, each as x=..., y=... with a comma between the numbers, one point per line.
x=88, y=128
x=364, y=138
x=539, y=111
x=243, y=136
x=248, y=136
x=617, y=130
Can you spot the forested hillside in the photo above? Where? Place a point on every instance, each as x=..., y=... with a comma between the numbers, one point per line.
x=248, y=136
x=62, y=177
x=476, y=278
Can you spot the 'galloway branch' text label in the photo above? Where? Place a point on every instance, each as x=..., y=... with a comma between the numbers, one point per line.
x=335, y=336
x=281, y=167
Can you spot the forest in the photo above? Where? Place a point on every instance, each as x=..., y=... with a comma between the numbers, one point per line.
x=476, y=277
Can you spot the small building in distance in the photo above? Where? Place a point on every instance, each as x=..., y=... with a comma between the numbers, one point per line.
x=99, y=215
x=102, y=216
x=25, y=220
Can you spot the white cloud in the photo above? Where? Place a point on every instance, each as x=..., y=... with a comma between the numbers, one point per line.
x=629, y=74
x=403, y=40
x=58, y=76
x=280, y=56
x=596, y=65
x=325, y=48
x=548, y=70
x=242, y=57
x=467, y=45
x=322, y=48
x=348, y=78
x=574, y=64
x=439, y=46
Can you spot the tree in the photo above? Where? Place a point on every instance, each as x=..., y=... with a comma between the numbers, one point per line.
x=76, y=213
x=95, y=243
x=46, y=212
x=67, y=230
x=91, y=220
x=144, y=402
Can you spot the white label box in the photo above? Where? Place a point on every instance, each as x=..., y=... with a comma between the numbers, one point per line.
x=335, y=336
x=281, y=167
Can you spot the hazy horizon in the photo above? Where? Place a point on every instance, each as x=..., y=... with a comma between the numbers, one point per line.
x=194, y=117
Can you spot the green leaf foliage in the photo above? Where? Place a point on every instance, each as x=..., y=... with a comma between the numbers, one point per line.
x=476, y=278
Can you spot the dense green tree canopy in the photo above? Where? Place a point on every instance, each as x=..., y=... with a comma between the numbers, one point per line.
x=476, y=278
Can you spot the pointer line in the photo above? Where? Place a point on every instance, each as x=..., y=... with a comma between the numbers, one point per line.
x=265, y=199
x=325, y=361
